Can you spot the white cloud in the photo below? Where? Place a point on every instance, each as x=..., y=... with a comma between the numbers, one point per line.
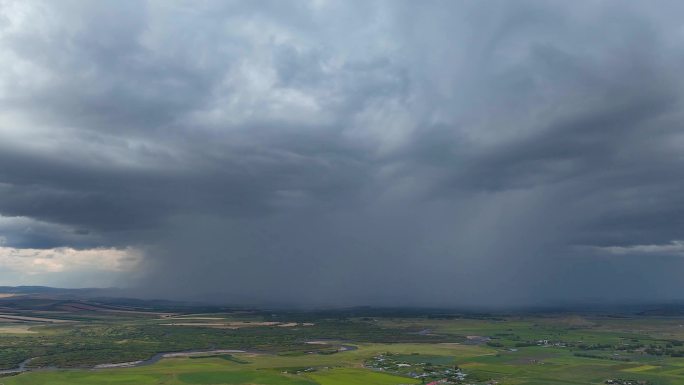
x=51, y=265
x=673, y=248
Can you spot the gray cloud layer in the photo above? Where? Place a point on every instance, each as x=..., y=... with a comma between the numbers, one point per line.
x=315, y=152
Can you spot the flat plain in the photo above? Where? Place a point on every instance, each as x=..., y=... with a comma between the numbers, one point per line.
x=130, y=345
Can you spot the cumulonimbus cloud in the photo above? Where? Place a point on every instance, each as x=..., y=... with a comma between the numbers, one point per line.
x=331, y=152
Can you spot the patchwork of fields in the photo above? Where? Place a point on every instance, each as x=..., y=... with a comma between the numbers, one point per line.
x=344, y=348
x=484, y=365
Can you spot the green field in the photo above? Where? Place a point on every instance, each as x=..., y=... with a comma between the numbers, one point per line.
x=339, y=348
x=532, y=365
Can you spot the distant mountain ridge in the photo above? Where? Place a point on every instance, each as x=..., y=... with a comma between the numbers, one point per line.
x=46, y=298
x=49, y=290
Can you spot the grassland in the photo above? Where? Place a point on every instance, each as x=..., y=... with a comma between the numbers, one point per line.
x=526, y=366
x=336, y=348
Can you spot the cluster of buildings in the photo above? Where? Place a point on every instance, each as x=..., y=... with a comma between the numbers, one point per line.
x=621, y=381
x=431, y=374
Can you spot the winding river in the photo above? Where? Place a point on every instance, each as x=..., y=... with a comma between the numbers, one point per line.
x=19, y=369
x=23, y=366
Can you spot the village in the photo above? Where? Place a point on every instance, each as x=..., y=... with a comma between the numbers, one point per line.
x=621, y=381
x=429, y=370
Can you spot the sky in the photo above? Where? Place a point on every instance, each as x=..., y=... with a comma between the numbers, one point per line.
x=341, y=153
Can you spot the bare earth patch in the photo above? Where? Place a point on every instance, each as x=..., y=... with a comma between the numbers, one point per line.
x=232, y=325
x=196, y=318
x=202, y=353
x=17, y=318
x=19, y=329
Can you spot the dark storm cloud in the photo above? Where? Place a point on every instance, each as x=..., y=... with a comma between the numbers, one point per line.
x=342, y=153
x=27, y=233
